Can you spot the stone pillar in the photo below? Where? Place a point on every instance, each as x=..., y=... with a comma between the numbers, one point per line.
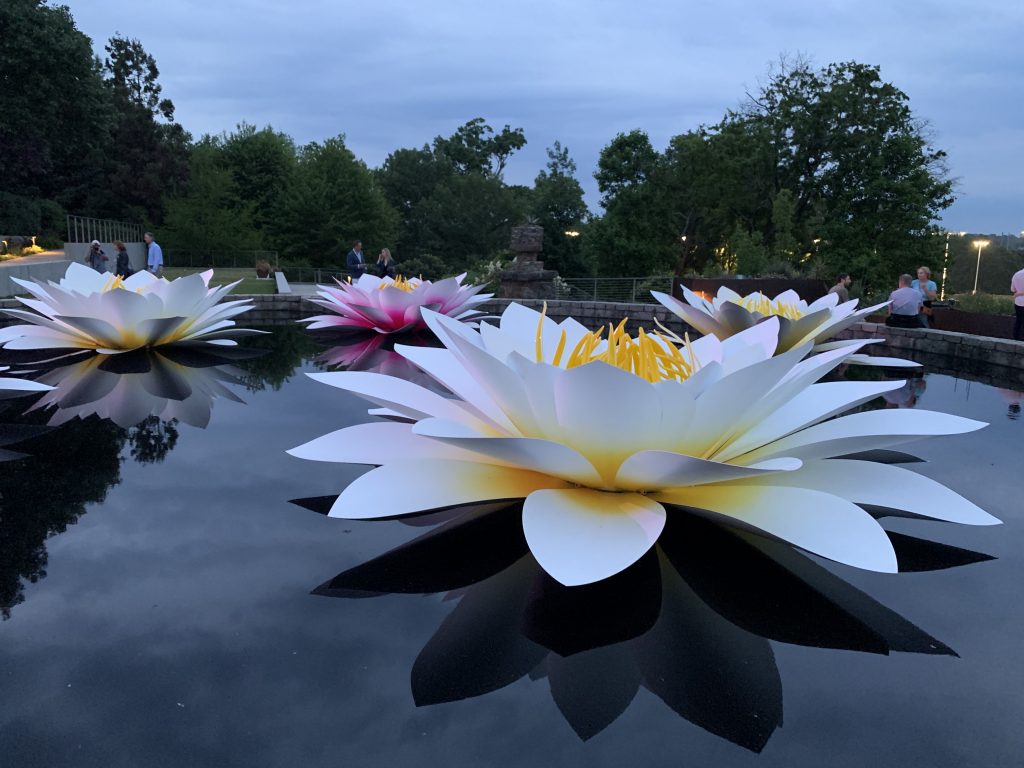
x=526, y=277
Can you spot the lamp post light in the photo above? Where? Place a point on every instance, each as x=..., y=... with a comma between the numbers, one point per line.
x=979, y=244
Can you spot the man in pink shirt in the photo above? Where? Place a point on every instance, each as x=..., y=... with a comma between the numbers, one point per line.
x=1017, y=286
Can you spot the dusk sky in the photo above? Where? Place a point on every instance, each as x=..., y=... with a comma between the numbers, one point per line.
x=393, y=74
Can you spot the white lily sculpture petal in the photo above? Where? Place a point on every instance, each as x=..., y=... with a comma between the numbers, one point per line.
x=602, y=437
x=799, y=322
x=388, y=305
x=90, y=310
x=15, y=387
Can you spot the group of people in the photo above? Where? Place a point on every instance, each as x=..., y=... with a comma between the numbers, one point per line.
x=357, y=266
x=97, y=258
x=910, y=303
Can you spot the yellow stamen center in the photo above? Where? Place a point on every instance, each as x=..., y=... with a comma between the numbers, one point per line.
x=758, y=302
x=401, y=283
x=654, y=357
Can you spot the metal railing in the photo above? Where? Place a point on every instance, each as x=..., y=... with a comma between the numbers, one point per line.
x=318, y=275
x=85, y=229
x=632, y=290
x=194, y=258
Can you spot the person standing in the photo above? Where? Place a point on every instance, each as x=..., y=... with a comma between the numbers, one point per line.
x=354, y=261
x=154, y=256
x=929, y=292
x=1017, y=286
x=842, y=287
x=96, y=258
x=385, y=264
x=905, y=305
x=123, y=267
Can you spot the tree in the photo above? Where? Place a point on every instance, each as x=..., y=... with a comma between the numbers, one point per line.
x=453, y=205
x=639, y=234
x=333, y=201
x=263, y=164
x=864, y=177
x=476, y=148
x=559, y=207
x=55, y=116
x=148, y=156
x=211, y=215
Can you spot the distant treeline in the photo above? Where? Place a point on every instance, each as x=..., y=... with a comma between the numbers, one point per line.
x=820, y=171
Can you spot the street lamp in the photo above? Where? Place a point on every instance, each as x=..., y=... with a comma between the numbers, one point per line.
x=979, y=244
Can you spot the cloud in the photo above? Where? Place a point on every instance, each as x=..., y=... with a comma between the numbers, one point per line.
x=395, y=74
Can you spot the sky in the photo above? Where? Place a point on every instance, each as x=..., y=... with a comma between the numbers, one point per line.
x=390, y=74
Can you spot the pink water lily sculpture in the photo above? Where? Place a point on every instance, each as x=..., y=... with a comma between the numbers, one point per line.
x=108, y=314
x=729, y=313
x=387, y=305
x=602, y=436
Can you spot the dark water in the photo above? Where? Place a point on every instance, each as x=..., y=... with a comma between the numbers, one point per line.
x=166, y=605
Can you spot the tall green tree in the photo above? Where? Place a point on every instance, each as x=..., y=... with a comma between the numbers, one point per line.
x=333, y=201
x=639, y=233
x=56, y=111
x=211, y=215
x=559, y=207
x=453, y=204
x=148, y=155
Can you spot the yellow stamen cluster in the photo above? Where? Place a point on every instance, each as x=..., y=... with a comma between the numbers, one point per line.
x=113, y=283
x=651, y=357
x=401, y=283
x=758, y=302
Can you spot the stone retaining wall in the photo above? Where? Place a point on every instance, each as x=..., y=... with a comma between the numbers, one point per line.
x=913, y=342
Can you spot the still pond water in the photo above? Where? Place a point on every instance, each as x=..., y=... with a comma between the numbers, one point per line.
x=167, y=603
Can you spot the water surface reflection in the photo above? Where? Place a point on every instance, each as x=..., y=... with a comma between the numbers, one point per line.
x=690, y=622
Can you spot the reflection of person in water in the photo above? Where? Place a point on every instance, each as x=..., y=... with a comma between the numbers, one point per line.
x=1013, y=400
x=907, y=395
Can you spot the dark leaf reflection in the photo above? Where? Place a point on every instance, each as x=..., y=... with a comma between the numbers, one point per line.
x=690, y=622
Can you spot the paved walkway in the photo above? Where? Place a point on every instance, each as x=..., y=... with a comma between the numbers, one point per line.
x=45, y=257
x=304, y=289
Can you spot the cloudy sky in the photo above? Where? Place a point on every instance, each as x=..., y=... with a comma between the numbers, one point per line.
x=392, y=74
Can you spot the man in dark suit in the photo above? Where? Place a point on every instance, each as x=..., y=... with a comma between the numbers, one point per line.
x=354, y=261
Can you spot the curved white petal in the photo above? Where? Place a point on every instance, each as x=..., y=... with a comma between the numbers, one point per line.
x=862, y=432
x=653, y=470
x=580, y=536
x=398, y=489
x=377, y=443
x=530, y=453
x=885, y=485
x=819, y=522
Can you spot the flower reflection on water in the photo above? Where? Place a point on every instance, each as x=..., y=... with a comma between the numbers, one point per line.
x=691, y=621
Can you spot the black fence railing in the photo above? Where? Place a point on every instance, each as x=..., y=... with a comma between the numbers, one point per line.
x=206, y=259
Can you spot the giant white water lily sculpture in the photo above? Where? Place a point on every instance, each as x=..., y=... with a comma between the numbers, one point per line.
x=728, y=313
x=387, y=305
x=101, y=312
x=603, y=437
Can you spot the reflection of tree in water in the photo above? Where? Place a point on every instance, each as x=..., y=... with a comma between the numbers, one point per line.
x=287, y=347
x=66, y=469
x=691, y=621
x=152, y=439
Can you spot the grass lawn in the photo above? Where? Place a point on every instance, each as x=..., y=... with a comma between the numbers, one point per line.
x=250, y=284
